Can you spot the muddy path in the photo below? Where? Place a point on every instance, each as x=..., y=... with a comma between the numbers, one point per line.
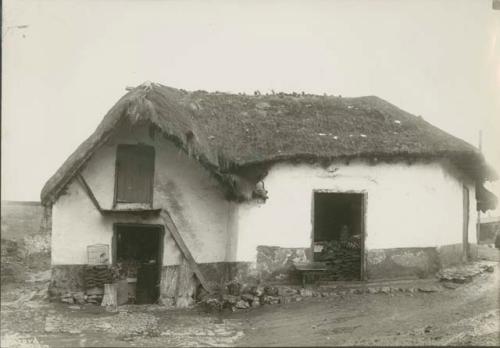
x=467, y=315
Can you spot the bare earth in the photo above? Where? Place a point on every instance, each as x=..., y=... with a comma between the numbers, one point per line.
x=468, y=315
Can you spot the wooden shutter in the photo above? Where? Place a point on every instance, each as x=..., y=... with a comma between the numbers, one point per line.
x=134, y=174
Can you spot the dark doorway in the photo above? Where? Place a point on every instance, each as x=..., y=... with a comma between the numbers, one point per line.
x=138, y=250
x=339, y=233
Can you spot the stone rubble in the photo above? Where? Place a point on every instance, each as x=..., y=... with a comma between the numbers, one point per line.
x=256, y=296
x=239, y=296
x=81, y=298
x=242, y=304
x=465, y=273
x=428, y=289
x=451, y=285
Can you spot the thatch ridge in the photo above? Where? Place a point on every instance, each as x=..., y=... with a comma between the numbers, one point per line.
x=226, y=132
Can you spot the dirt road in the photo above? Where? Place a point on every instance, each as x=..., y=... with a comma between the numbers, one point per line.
x=468, y=315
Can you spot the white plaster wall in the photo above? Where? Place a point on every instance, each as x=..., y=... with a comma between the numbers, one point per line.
x=76, y=224
x=418, y=205
x=182, y=186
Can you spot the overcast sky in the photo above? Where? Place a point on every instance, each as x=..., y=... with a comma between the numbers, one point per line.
x=62, y=73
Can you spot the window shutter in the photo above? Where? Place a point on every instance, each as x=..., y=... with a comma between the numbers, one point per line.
x=134, y=174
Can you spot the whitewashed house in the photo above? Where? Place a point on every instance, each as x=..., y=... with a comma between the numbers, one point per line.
x=238, y=186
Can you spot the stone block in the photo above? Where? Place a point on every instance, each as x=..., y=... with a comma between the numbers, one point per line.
x=230, y=299
x=256, y=302
x=79, y=297
x=450, y=285
x=257, y=290
x=428, y=289
x=248, y=297
x=286, y=291
x=271, y=290
x=242, y=304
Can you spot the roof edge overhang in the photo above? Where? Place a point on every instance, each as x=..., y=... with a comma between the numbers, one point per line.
x=486, y=200
x=135, y=106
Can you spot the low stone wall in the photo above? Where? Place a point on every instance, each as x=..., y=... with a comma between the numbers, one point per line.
x=66, y=278
x=276, y=263
x=274, y=266
x=402, y=263
x=450, y=255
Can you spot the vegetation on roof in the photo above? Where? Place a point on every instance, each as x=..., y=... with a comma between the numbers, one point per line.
x=227, y=132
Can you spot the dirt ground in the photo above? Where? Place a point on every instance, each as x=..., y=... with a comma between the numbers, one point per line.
x=467, y=315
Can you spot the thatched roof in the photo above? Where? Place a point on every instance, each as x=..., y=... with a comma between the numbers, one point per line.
x=227, y=132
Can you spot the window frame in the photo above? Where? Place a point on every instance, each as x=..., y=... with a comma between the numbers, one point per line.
x=151, y=188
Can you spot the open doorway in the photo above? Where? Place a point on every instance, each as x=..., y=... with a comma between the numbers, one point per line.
x=138, y=252
x=338, y=234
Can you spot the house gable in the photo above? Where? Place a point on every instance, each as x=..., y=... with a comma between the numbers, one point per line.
x=182, y=186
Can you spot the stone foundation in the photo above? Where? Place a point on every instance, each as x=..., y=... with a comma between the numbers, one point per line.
x=70, y=278
x=450, y=255
x=402, y=263
x=217, y=273
x=275, y=264
x=66, y=278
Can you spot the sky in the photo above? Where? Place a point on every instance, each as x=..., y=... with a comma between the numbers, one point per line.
x=65, y=63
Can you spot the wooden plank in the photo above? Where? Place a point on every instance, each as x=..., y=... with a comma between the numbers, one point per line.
x=465, y=225
x=169, y=281
x=177, y=281
x=364, y=200
x=185, y=285
x=110, y=295
x=169, y=223
x=89, y=192
x=311, y=266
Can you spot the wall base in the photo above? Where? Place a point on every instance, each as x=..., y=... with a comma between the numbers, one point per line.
x=274, y=265
x=402, y=263
x=66, y=278
x=450, y=255
x=411, y=262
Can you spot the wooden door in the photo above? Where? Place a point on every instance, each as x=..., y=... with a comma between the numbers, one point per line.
x=362, y=218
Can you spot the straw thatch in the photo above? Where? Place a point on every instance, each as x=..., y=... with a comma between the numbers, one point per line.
x=227, y=132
